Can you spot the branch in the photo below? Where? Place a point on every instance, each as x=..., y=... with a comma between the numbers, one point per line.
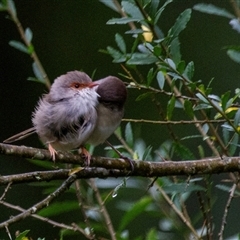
x=45, y=202
x=103, y=167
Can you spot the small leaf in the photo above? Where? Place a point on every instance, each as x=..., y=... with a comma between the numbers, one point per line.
x=189, y=71
x=120, y=42
x=188, y=107
x=211, y=9
x=28, y=34
x=234, y=55
x=157, y=50
x=170, y=62
x=202, y=98
x=170, y=107
x=132, y=10
x=123, y=20
x=37, y=73
x=19, y=46
x=233, y=144
x=109, y=4
x=12, y=8
x=175, y=50
x=150, y=77
x=159, y=12
x=22, y=235
x=116, y=55
x=141, y=59
x=160, y=79
x=180, y=23
x=182, y=151
x=224, y=100
x=129, y=134
x=143, y=96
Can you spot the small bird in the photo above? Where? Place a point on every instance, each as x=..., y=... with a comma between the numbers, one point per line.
x=77, y=111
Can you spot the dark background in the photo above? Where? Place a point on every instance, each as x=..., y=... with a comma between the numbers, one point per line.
x=67, y=35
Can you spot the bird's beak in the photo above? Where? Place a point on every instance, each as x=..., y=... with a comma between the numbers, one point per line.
x=93, y=84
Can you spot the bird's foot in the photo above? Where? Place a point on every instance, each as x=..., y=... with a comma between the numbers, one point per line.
x=83, y=151
x=52, y=151
x=131, y=162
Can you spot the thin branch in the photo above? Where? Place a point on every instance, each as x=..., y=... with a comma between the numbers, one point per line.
x=173, y=122
x=44, y=203
x=103, y=210
x=235, y=8
x=33, y=53
x=224, y=219
x=54, y=223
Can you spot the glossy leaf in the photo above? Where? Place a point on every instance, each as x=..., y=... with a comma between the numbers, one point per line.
x=122, y=20
x=170, y=107
x=150, y=77
x=234, y=144
x=188, y=107
x=37, y=73
x=132, y=10
x=160, y=79
x=225, y=99
x=211, y=9
x=109, y=4
x=143, y=96
x=120, y=42
x=180, y=23
x=116, y=55
x=19, y=46
x=159, y=12
x=234, y=55
x=189, y=71
x=141, y=59
x=28, y=34
x=175, y=50
x=182, y=151
x=22, y=235
x=129, y=134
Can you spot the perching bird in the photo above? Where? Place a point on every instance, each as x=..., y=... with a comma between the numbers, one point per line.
x=77, y=111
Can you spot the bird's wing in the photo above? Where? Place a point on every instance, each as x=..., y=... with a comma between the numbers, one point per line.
x=20, y=135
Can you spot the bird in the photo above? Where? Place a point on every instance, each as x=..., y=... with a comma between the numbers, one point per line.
x=77, y=111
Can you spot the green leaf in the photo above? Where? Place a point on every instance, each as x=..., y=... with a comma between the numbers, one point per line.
x=225, y=99
x=189, y=71
x=150, y=77
x=116, y=55
x=152, y=234
x=170, y=107
x=137, y=209
x=159, y=12
x=180, y=23
x=182, y=187
x=22, y=235
x=141, y=59
x=12, y=8
x=233, y=144
x=147, y=153
x=129, y=134
x=19, y=46
x=132, y=10
x=122, y=20
x=59, y=207
x=234, y=55
x=120, y=42
x=28, y=34
x=182, y=151
x=211, y=9
x=170, y=63
x=188, y=107
x=37, y=73
x=175, y=50
x=160, y=79
x=109, y=4
x=143, y=96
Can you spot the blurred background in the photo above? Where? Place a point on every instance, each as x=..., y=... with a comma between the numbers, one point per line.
x=67, y=35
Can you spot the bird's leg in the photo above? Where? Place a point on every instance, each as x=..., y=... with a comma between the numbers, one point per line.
x=52, y=151
x=131, y=162
x=87, y=155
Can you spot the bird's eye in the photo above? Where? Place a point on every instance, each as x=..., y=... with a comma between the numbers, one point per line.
x=76, y=85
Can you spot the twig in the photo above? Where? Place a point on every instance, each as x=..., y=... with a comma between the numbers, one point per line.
x=33, y=54
x=44, y=203
x=55, y=224
x=224, y=219
x=103, y=210
x=5, y=191
x=178, y=212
